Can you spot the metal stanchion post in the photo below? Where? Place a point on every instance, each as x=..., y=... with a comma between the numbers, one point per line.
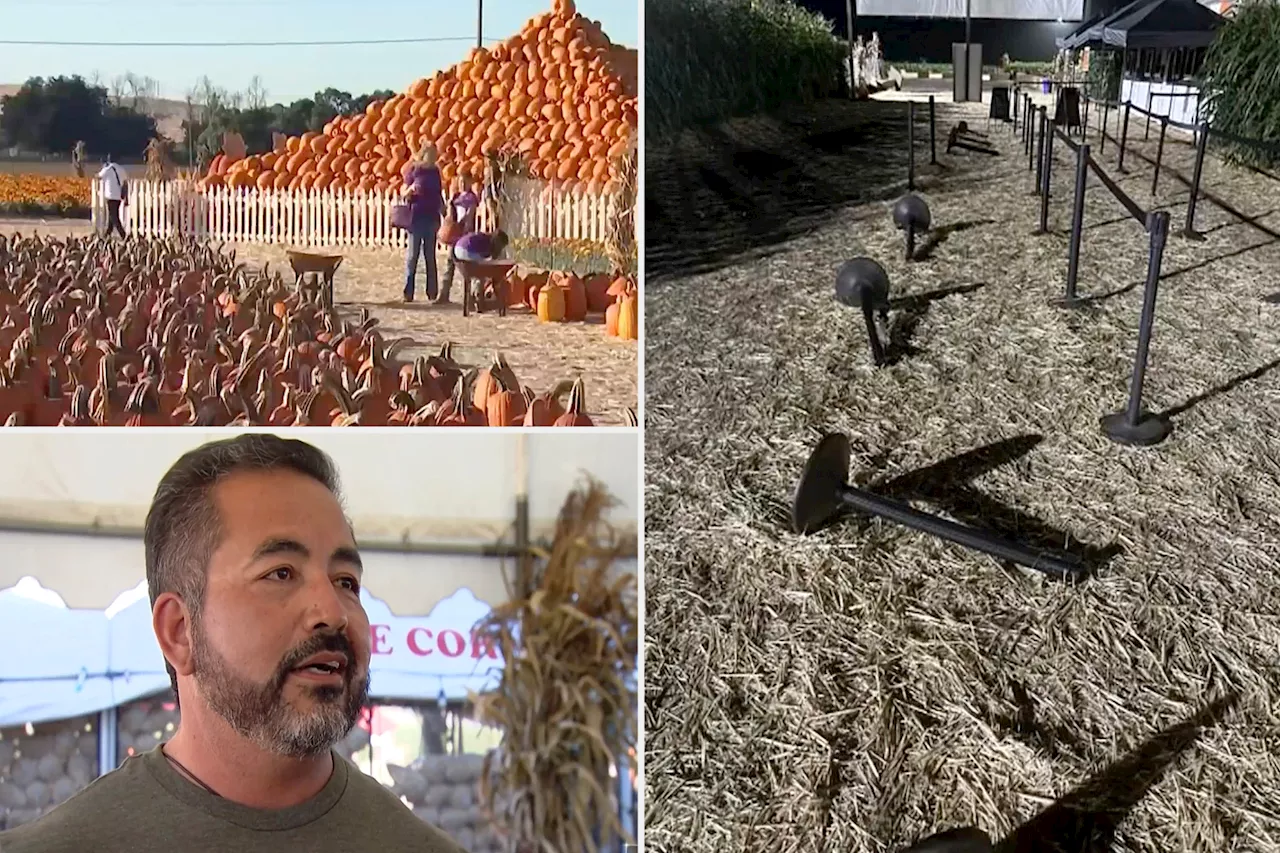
x=1124, y=135
x=1189, y=230
x=1069, y=299
x=1155, y=178
x=1133, y=425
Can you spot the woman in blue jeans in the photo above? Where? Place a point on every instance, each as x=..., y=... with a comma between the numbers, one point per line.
x=426, y=200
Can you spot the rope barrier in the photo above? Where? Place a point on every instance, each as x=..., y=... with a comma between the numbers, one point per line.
x=1256, y=144
x=1121, y=196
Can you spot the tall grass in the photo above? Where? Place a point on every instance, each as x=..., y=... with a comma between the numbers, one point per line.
x=708, y=60
x=1241, y=80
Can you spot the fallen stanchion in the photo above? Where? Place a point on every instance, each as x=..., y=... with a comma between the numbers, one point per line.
x=823, y=492
x=911, y=214
x=863, y=283
x=977, y=146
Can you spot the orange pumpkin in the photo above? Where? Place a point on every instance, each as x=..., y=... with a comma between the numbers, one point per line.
x=575, y=298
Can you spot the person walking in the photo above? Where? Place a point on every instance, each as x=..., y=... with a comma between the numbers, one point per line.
x=115, y=189
x=463, y=206
x=426, y=201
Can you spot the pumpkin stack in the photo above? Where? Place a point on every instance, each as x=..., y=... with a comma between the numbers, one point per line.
x=549, y=94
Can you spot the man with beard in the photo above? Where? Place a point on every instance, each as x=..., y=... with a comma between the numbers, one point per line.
x=254, y=579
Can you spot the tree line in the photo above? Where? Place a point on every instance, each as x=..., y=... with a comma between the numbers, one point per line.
x=49, y=116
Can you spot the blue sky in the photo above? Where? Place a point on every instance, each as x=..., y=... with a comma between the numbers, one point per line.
x=287, y=73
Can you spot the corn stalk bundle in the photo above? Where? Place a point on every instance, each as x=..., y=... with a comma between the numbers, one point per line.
x=569, y=637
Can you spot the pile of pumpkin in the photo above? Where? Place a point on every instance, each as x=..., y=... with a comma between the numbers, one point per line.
x=565, y=297
x=173, y=332
x=547, y=94
x=24, y=193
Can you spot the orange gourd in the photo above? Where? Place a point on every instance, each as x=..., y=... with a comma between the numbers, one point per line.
x=551, y=303
x=628, y=316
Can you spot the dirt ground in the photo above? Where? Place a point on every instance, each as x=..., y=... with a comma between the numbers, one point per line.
x=865, y=686
x=541, y=354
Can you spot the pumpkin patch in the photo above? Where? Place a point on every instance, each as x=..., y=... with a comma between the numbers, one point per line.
x=176, y=332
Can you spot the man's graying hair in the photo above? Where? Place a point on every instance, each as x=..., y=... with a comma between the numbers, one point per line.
x=183, y=529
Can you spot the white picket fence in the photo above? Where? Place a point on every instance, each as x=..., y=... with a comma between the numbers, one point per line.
x=325, y=218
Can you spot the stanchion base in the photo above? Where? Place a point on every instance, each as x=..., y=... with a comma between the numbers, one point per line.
x=1194, y=236
x=817, y=497
x=1072, y=302
x=1149, y=430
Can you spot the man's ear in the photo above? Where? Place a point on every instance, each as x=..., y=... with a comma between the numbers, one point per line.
x=171, y=622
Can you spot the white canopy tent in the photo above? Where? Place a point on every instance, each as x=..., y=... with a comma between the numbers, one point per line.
x=72, y=505
x=1016, y=10
x=75, y=602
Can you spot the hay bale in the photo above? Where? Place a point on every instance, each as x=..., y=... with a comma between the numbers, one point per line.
x=427, y=815
x=25, y=771
x=461, y=770
x=64, y=789
x=407, y=783
x=39, y=794
x=50, y=768
x=81, y=770
x=436, y=795
x=12, y=796
x=462, y=797
x=466, y=839
x=434, y=768
x=36, y=746
x=454, y=819
x=64, y=743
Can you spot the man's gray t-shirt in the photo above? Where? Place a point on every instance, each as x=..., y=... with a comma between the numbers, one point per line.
x=146, y=805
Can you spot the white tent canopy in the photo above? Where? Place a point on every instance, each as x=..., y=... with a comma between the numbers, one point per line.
x=414, y=488
x=79, y=662
x=1018, y=10
x=74, y=610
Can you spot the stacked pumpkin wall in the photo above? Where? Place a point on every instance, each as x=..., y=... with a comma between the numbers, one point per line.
x=558, y=94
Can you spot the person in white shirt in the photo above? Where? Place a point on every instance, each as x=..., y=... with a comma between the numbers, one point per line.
x=115, y=189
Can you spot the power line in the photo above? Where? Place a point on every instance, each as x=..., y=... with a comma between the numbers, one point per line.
x=339, y=43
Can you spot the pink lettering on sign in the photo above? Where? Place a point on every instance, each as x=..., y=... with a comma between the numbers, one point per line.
x=378, y=635
x=425, y=642
x=419, y=647
x=451, y=644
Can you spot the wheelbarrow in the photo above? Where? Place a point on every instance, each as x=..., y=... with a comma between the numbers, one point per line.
x=493, y=274
x=323, y=265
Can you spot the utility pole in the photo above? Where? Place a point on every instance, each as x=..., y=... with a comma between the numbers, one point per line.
x=479, y=23
x=850, y=11
x=968, y=39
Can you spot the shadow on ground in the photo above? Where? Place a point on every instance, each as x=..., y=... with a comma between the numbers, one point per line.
x=753, y=184
x=1086, y=819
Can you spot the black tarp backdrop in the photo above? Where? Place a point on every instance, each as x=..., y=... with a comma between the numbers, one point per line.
x=930, y=40
x=1164, y=24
